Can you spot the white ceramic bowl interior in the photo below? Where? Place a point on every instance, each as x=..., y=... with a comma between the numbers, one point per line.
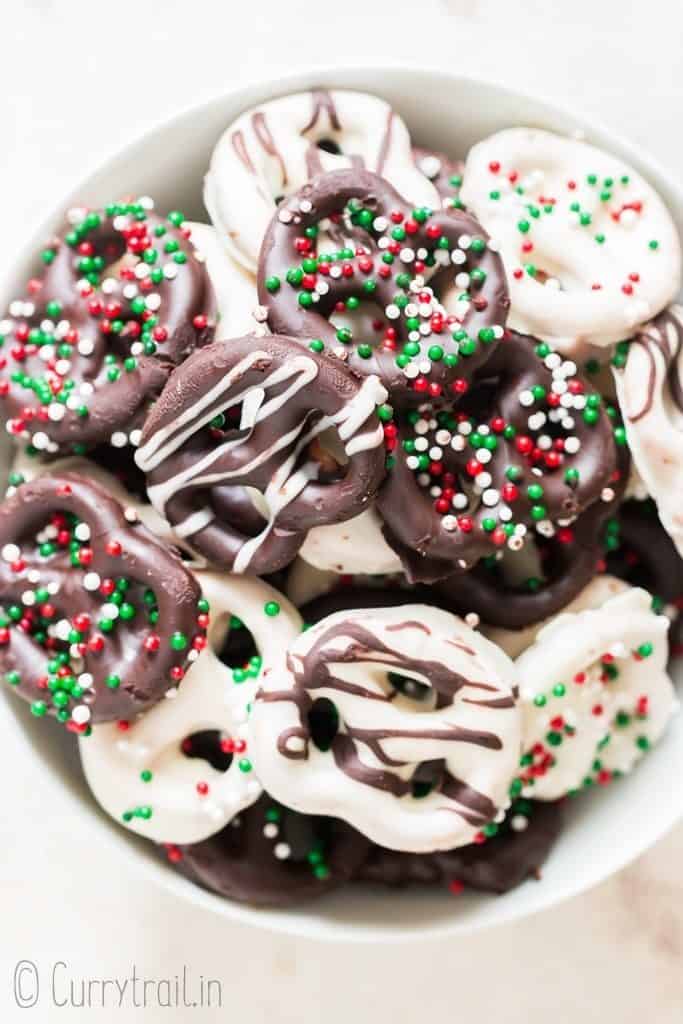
x=605, y=829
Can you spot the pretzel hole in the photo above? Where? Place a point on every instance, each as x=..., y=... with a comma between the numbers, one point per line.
x=209, y=745
x=239, y=651
x=323, y=723
x=426, y=778
x=328, y=452
x=329, y=146
x=412, y=689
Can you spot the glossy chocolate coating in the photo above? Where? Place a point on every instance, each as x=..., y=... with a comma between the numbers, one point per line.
x=413, y=525
x=495, y=866
x=99, y=321
x=241, y=864
x=328, y=196
x=113, y=550
x=296, y=390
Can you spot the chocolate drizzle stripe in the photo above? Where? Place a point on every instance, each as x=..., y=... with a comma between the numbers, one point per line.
x=662, y=335
x=240, y=147
x=453, y=733
x=412, y=624
x=348, y=642
x=262, y=132
x=322, y=101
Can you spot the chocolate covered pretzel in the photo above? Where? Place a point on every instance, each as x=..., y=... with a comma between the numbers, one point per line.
x=530, y=448
x=100, y=620
x=424, y=734
x=120, y=300
x=511, y=853
x=252, y=413
x=401, y=259
x=272, y=856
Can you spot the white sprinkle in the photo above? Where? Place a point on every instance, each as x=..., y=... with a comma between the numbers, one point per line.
x=270, y=830
x=518, y=823
x=86, y=347
x=56, y=411
x=110, y=611
x=119, y=439
x=537, y=420
x=282, y=851
x=81, y=714
x=91, y=581
x=82, y=532
x=449, y=523
x=10, y=553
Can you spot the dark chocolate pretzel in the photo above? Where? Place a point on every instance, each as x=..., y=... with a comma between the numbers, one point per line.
x=121, y=300
x=99, y=619
x=514, y=853
x=272, y=856
x=529, y=448
x=283, y=400
x=400, y=259
x=569, y=559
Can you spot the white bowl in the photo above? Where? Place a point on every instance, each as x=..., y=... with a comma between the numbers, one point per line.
x=605, y=830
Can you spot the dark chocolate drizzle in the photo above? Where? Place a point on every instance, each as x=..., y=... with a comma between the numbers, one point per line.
x=322, y=102
x=262, y=132
x=657, y=336
x=240, y=148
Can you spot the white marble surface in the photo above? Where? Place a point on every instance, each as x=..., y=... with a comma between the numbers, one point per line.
x=76, y=82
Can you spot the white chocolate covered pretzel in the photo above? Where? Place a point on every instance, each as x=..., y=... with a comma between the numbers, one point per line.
x=595, y=694
x=650, y=390
x=590, y=249
x=140, y=774
x=356, y=546
x=235, y=287
x=272, y=150
x=427, y=732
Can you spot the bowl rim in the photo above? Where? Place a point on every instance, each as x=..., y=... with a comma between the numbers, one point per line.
x=282, y=921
